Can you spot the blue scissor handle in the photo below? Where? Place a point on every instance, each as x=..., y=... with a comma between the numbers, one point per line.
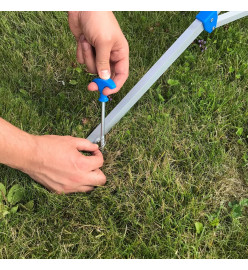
x=101, y=85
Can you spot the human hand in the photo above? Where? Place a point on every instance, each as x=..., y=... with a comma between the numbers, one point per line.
x=58, y=165
x=101, y=46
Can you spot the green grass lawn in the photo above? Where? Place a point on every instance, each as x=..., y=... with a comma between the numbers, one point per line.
x=176, y=164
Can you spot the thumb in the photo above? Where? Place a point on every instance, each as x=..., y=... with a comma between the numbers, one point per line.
x=102, y=61
x=85, y=145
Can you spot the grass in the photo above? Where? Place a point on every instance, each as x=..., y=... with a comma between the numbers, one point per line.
x=177, y=158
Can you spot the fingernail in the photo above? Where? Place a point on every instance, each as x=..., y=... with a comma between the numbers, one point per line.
x=104, y=74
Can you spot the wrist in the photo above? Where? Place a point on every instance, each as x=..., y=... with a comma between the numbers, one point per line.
x=17, y=148
x=23, y=155
x=27, y=153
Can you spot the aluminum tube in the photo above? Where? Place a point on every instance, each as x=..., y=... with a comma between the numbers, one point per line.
x=230, y=17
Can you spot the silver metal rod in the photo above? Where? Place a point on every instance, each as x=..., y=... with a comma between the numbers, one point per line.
x=103, y=126
x=149, y=78
x=230, y=17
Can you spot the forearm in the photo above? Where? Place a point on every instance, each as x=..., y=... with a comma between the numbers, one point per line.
x=15, y=146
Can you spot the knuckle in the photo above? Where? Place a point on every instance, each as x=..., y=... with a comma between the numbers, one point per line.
x=104, y=39
x=79, y=165
x=103, y=62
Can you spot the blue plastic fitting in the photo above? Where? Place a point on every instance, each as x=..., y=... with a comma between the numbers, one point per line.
x=208, y=19
x=101, y=85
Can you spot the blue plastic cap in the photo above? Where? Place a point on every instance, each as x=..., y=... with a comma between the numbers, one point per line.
x=101, y=85
x=208, y=19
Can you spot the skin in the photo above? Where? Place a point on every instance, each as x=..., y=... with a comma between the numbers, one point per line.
x=56, y=161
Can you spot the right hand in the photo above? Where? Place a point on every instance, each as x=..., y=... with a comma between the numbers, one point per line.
x=58, y=165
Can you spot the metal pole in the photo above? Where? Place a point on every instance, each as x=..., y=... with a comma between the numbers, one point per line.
x=230, y=17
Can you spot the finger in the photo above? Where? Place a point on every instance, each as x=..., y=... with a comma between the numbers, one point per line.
x=85, y=145
x=107, y=91
x=92, y=86
x=121, y=75
x=119, y=82
x=88, y=55
x=96, y=160
x=97, y=178
x=74, y=24
x=80, y=56
x=103, y=60
x=120, y=58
